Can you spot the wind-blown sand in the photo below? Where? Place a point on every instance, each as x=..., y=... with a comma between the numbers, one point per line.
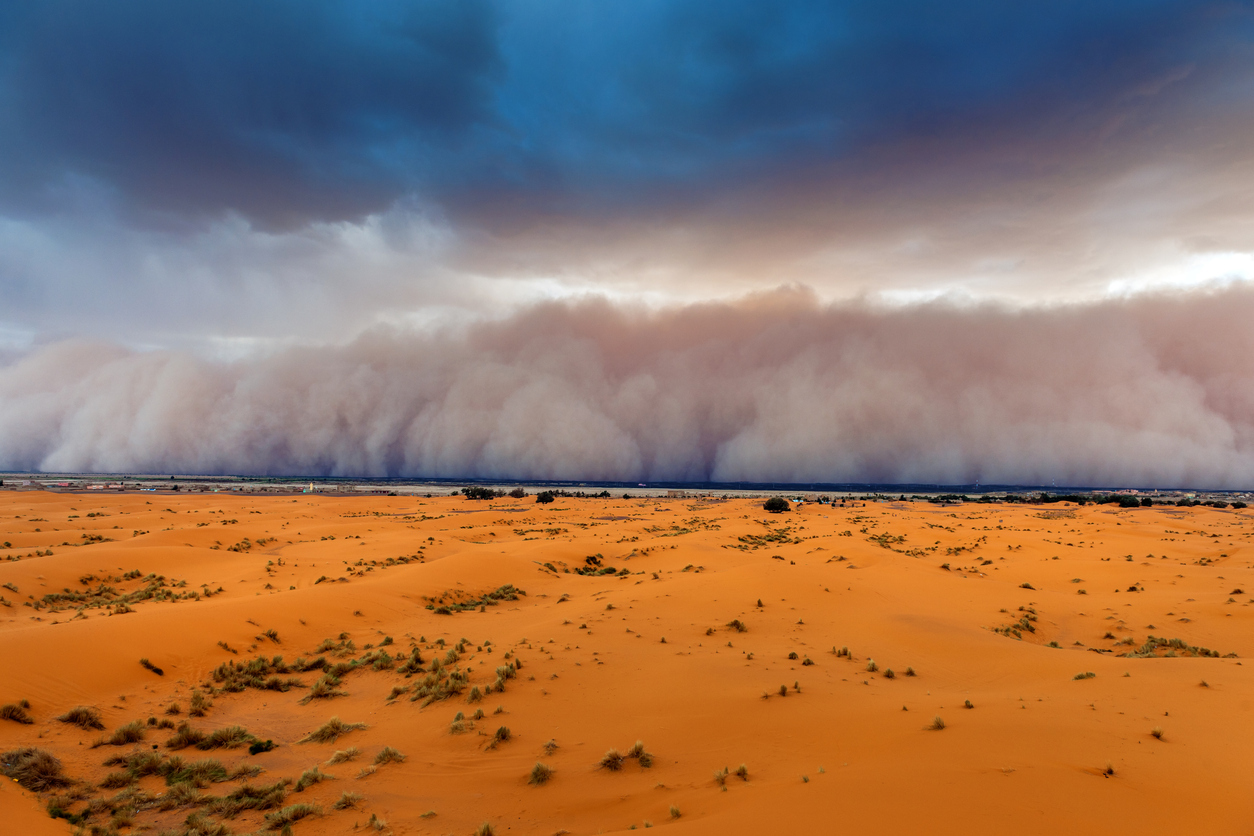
x=850, y=751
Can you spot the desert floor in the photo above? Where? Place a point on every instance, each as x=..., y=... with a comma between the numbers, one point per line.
x=998, y=606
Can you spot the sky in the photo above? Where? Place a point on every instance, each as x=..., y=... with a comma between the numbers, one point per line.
x=341, y=218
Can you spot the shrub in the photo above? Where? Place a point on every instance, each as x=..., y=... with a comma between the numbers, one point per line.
x=910, y=671
x=1084, y=675
x=742, y=772
x=150, y=666
x=1157, y=732
x=775, y=505
x=545, y=497
x=34, y=769
x=331, y=731
x=675, y=812
x=82, y=716
x=938, y=723
x=259, y=746
x=613, y=760
x=720, y=777
x=888, y=673
x=485, y=829
x=540, y=775
x=871, y=666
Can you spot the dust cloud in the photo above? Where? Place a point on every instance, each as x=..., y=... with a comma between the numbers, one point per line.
x=1149, y=391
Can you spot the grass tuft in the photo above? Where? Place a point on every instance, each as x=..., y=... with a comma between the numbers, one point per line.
x=1157, y=732
x=938, y=723
x=310, y=777
x=388, y=755
x=85, y=717
x=540, y=775
x=343, y=755
x=17, y=713
x=347, y=800
x=33, y=769
x=132, y=732
x=292, y=813
x=613, y=760
x=331, y=731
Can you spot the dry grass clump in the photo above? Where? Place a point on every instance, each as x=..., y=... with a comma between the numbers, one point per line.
x=485, y=829
x=203, y=772
x=540, y=774
x=185, y=736
x=347, y=800
x=612, y=760
x=638, y=752
x=502, y=735
x=343, y=755
x=324, y=688
x=938, y=724
x=85, y=717
x=1157, y=732
x=231, y=737
x=331, y=731
x=181, y=795
x=17, y=713
x=871, y=666
x=720, y=776
x=550, y=747
x=292, y=813
x=310, y=777
x=249, y=797
x=742, y=772
x=132, y=732
x=675, y=812
x=33, y=769
x=388, y=755
x=737, y=625
x=1084, y=675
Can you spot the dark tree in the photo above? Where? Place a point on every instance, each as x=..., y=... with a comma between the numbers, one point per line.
x=544, y=497
x=775, y=504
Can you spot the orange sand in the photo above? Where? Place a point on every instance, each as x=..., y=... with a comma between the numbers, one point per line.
x=1027, y=758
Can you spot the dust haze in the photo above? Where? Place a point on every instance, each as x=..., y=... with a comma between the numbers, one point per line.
x=1151, y=391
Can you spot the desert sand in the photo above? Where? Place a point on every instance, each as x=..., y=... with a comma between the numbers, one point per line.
x=709, y=630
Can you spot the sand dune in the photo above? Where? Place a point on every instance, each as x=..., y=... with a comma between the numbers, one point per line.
x=643, y=645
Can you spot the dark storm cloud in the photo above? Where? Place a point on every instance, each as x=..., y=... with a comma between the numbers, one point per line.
x=289, y=112
x=776, y=387
x=282, y=111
